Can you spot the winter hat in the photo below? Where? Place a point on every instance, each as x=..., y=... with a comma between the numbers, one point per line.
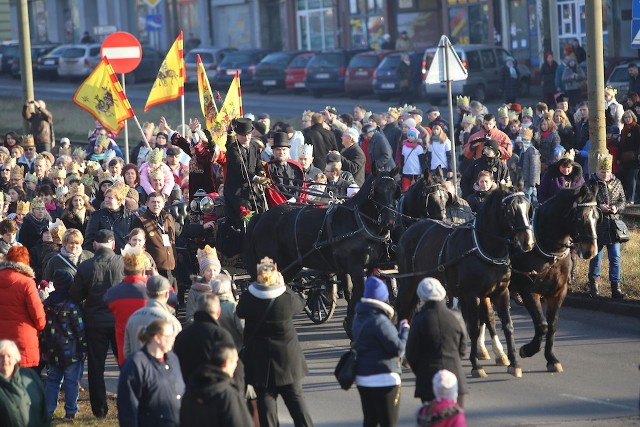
x=410, y=123
x=18, y=254
x=413, y=132
x=493, y=145
x=375, y=288
x=157, y=285
x=430, y=289
x=208, y=257
x=62, y=280
x=445, y=385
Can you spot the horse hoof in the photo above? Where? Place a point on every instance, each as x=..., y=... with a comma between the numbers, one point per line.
x=502, y=360
x=554, y=367
x=523, y=353
x=516, y=372
x=478, y=373
x=483, y=354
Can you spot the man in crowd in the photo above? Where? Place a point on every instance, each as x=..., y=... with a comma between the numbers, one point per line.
x=321, y=139
x=28, y=159
x=286, y=175
x=41, y=123
x=115, y=216
x=634, y=78
x=352, y=157
x=376, y=149
x=306, y=161
x=475, y=147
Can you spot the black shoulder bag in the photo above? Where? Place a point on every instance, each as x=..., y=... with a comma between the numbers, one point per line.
x=242, y=351
x=345, y=371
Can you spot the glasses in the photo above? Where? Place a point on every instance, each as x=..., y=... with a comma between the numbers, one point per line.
x=29, y=149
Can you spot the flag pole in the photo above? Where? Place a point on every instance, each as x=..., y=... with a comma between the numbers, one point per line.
x=182, y=109
x=240, y=93
x=126, y=125
x=139, y=127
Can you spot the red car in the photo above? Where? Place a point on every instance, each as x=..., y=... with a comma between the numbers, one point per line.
x=297, y=71
x=359, y=75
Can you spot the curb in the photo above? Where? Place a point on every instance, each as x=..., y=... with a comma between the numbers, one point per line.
x=603, y=304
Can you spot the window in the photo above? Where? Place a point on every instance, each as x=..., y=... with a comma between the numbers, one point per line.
x=315, y=25
x=488, y=58
x=473, y=60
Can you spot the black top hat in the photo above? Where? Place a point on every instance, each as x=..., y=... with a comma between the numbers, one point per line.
x=562, y=97
x=280, y=139
x=260, y=127
x=242, y=126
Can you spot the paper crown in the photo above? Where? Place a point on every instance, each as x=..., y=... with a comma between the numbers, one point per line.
x=526, y=134
x=155, y=156
x=156, y=173
x=306, y=150
x=610, y=90
x=75, y=168
x=569, y=154
x=121, y=189
x=22, y=208
x=105, y=176
x=37, y=202
x=503, y=111
x=27, y=141
x=513, y=115
x=76, y=190
x=527, y=111
x=103, y=140
x=134, y=258
x=306, y=115
x=93, y=168
x=58, y=172
x=268, y=273
x=463, y=101
x=41, y=158
x=57, y=230
x=394, y=112
x=469, y=119
x=208, y=257
x=605, y=162
x=31, y=177
x=17, y=172
x=79, y=153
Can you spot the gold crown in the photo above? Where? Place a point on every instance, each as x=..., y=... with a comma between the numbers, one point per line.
x=79, y=153
x=58, y=172
x=527, y=111
x=156, y=173
x=121, y=189
x=37, y=202
x=57, y=230
x=268, y=273
x=17, y=172
x=394, y=112
x=406, y=108
x=134, y=258
x=605, y=162
x=611, y=90
x=513, y=115
x=469, y=119
x=75, y=190
x=155, y=156
x=31, y=177
x=93, y=167
x=41, y=158
x=306, y=115
x=503, y=111
x=76, y=168
x=463, y=101
x=104, y=176
x=208, y=256
x=526, y=133
x=27, y=140
x=103, y=140
x=569, y=154
x=22, y=208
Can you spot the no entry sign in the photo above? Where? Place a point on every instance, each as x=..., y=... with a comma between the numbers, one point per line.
x=123, y=51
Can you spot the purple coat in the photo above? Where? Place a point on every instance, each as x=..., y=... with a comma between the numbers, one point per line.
x=553, y=181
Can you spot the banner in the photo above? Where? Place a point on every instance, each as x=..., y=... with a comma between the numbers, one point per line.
x=231, y=109
x=101, y=96
x=207, y=103
x=169, y=84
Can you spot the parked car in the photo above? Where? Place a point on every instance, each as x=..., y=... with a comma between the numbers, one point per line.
x=8, y=50
x=271, y=71
x=148, y=68
x=47, y=65
x=78, y=60
x=37, y=52
x=484, y=63
x=386, y=82
x=210, y=56
x=619, y=79
x=296, y=72
x=326, y=71
x=358, y=78
x=244, y=61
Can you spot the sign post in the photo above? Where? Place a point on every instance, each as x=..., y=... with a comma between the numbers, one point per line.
x=124, y=53
x=447, y=67
x=635, y=25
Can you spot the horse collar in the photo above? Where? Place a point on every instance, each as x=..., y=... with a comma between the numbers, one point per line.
x=368, y=233
x=497, y=261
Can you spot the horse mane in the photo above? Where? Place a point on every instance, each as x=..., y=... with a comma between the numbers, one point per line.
x=494, y=197
x=563, y=201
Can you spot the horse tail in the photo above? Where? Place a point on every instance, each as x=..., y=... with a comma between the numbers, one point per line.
x=251, y=257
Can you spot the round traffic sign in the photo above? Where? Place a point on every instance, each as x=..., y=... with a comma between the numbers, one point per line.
x=123, y=51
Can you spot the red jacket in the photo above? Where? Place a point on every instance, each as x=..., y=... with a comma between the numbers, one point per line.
x=506, y=147
x=21, y=311
x=123, y=300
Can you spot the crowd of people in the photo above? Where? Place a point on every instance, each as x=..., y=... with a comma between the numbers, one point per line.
x=89, y=263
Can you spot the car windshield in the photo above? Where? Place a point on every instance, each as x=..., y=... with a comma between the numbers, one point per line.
x=300, y=61
x=331, y=60
x=619, y=75
x=192, y=57
x=390, y=62
x=279, y=58
x=237, y=57
x=58, y=51
x=74, y=52
x=365, y=61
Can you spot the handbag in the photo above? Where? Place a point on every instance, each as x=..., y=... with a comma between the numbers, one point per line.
x=621, y=231
x=242, y=351
x=345, y=371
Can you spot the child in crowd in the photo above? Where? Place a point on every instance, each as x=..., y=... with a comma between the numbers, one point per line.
x=439, y=150
x=529, y=166
x=318, y=190
x=444, y=410
x=484, y=183
x=201, y=284
x=228, y=319
x=411, y=149
x=8, y=232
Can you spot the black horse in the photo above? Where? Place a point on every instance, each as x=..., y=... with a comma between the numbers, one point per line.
x=568, y=219
x=471, y=260
x=426, y=198
x=343, y=238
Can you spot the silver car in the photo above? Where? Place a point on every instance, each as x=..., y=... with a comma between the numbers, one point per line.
x=78, y=60
x=211, y=57
x=619, y=79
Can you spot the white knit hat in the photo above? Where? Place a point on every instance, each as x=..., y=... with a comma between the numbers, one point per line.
x=208, y=257
x=430, y=289
x=445, y=385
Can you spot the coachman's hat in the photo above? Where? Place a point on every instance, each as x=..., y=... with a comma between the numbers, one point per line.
x=280, y=139
x=242, y=126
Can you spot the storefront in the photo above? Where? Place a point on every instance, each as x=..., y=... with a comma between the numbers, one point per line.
x=422, y=20
x=316, y=24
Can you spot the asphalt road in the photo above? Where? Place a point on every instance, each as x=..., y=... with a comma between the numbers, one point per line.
x=599, y=385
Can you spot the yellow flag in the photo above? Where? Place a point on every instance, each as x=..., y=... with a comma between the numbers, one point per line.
x=101, y=96
x=231, y=109
x=207, y=103
x=169, y=84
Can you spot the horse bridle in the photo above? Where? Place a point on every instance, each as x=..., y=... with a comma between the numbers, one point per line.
x=426, y=193
x=379, y=206
x=575, y=232
x=513, y=229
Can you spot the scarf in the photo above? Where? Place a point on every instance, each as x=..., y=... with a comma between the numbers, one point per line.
x=512, y=71
x=73, y=257
x=545, y=133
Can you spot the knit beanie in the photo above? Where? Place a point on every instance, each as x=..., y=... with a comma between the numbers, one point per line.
x=445, y=385
x=375, y=288
x=413, y=132
x=411, y=123
x=430, y=289
x=62, y=280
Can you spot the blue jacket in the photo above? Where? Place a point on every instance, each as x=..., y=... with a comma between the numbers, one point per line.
x=378, y=343
x=149, y=391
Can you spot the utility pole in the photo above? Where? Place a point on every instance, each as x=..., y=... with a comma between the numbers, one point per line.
x=26, y=71
x=595, y=82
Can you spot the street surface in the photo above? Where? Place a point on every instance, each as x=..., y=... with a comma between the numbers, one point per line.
x=599, y=386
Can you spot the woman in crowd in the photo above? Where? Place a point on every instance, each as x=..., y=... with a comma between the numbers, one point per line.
x=572, y=77
x=565, y=173
x=132, y=179
x=613, y=108
x=484, y=183
x=150, y=385
x=510, y=80
x=628, y=151
x=22, y=400
x=71, y=254
x=77, y=209
x=565, y=129
x=137, y=237
x=547, y=141
x=380, y=347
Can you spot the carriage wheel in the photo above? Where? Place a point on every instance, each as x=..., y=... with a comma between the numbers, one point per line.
x=321, y=302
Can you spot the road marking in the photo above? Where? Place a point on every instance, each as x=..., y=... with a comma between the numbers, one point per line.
x=602, y=402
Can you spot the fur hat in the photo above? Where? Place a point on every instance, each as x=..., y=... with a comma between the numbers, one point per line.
x=445, y=385
x=208, y=257
x=57, y=230
x=268, y=273
x=22, y=208
x=17, y=172
x=605, y=162
x=37, y=202
x=18, y=254
x=155, y=156
x=430, y=289
x=134, y=258
x=375, y=288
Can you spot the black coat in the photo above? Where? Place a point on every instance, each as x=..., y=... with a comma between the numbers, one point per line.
x=213, y=400
x=380, y=152
x=510, y=85
x=323, y=141
x=273, y=355
x=612, y=194
x=71, y=220
x=393, y=132
x=437, y=340
x=548, y=77
x=237, y=191
x=117, y=221
x=195, y=343
x=493, y=165
x=353, y=161
x=31, y=228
